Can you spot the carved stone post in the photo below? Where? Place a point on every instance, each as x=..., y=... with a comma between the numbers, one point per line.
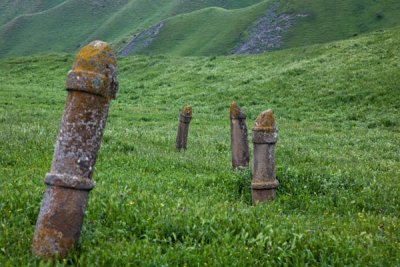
x=239, y=142
x=183, y=129
x=91, y=84
x=265, y=135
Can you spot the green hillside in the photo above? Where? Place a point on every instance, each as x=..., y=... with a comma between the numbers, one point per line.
x=210, y=31
x=338, y=161
x=218, y=31
x=68, y=26
x=137, y=15
x=339, y=19
x=10, y=9
x=190, y=27
x=62, y=28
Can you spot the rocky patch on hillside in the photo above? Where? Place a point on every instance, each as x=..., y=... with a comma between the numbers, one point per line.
x=142, y=40
x=266, y=33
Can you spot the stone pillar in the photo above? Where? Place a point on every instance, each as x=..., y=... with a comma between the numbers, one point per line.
x=183, y=129
x=239, y=142
x=265, y=135
x=91, y=84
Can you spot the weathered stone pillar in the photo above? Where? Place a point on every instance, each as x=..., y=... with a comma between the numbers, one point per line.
x=183, y=129
x=239, y=142
x=265, y=135
x=91, y=84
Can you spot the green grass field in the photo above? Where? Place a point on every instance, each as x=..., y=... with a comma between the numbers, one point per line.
x=338, y=161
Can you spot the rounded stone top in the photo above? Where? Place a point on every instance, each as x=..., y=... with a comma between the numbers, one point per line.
x=265, y=122
x=235, y=112
x=94, y=70
x=187, y=111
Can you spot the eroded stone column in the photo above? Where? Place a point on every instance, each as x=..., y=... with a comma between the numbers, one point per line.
x=239, y=141
x=265, y=135
x=91, y=84
x=183, y=129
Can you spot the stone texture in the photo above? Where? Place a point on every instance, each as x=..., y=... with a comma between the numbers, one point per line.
x=183, y=129
x=265, y=136
x=91, y=84
x=239, y=140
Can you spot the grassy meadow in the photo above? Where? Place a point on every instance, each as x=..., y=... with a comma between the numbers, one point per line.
x=337, y=107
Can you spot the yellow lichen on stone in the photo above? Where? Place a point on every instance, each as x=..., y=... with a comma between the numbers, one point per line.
x=94, y=57
x=94, y=71
x=235, y=112
x=187, y=110
x=265, y=121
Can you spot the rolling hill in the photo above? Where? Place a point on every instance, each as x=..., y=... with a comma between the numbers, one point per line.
x=10, y=9
x=73, y=23
x=189, y=27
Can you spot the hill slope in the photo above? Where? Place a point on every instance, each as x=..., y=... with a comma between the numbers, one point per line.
x=338, y=161
x=338, y=19
x=262, y=27
x=210, y=31
x=68, y=26
x=189, y=27
x=10, y=9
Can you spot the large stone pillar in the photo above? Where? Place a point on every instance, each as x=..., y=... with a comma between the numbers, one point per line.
x=183, y=129
x=91, y=84
x=265, y=136
x=239, y=141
